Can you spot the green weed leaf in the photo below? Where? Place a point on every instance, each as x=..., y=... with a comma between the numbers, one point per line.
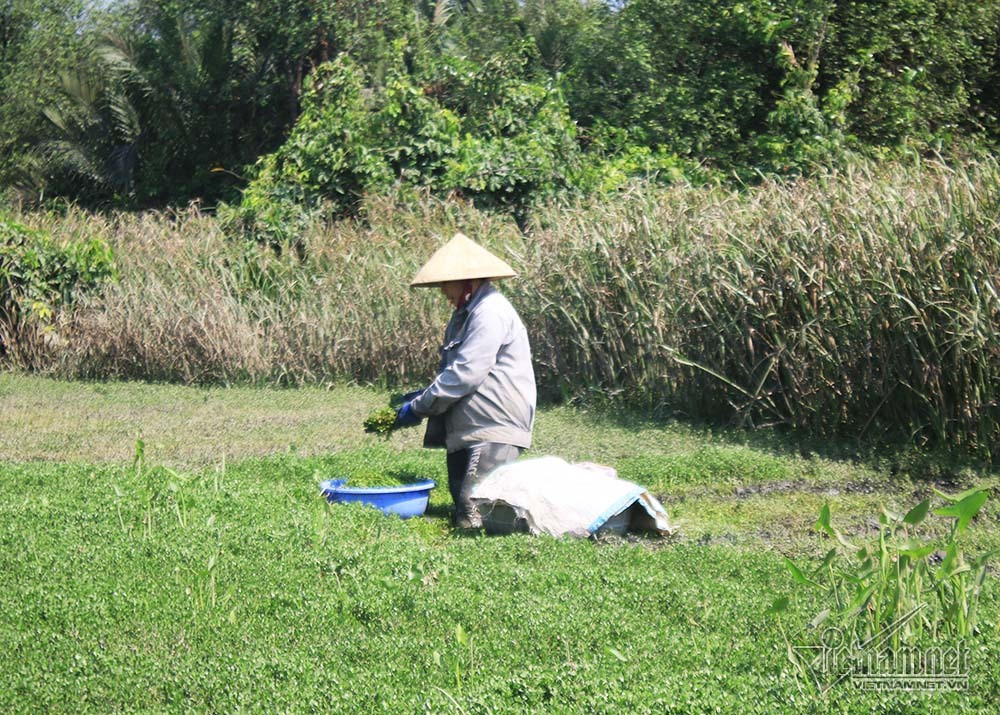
x=957, y=497
x=617, y=654
x=964, y=510
x=918, y=513
x=861, y=598
x=823, y=524
x=797, y=574
x=827, y=560
x=915, y=550
x=779, y=605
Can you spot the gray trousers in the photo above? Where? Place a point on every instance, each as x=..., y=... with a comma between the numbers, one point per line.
x=466, y=467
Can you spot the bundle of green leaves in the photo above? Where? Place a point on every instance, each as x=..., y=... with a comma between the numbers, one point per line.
x=381, y=422
x=374, y=466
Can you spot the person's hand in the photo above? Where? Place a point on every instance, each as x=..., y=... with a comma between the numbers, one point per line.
x=406, y=417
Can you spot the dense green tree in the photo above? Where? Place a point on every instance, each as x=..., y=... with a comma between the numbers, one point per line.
x=479, y=130
x=920, y=70
x=179, y=96
x=39, y=39
x=479, y=30
x=769, y=83
x=560, y=30
x=695, y=77
x=145, y=102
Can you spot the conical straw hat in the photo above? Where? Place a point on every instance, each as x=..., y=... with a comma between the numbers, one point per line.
x=458, y=260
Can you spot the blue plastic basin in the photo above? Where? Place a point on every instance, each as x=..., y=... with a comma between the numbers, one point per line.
x=404, y=501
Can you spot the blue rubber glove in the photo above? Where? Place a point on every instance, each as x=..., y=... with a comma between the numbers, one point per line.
x=408, y=397
x=406, y=417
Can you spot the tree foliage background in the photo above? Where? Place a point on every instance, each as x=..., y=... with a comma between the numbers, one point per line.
x=280, y=108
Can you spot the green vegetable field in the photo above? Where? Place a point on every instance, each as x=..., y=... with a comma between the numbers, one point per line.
x=755, y=247
x=166, y=549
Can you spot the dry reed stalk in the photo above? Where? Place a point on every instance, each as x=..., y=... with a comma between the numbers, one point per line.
x=857, y=298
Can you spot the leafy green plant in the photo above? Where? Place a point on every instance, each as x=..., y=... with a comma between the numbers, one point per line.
x=800, y=133
x=518, y=145
x=367, y=477
x=482, y=131
x=381, y=422
x=359, y=603
x=464, y=658
x=910, y=586
x=377, y=465
x=916, y=70
x=38, y=277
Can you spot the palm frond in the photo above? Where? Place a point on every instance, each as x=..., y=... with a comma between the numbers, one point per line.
x=126, y=120
x=215, y=52
x=72, y=157
x=118, y=57
x=443, y=10
x=57, y=117
x=83, y=91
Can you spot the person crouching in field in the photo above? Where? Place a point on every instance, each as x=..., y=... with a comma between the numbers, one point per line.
x=481, y=404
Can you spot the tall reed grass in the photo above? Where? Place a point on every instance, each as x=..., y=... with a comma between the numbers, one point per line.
x=861, y=299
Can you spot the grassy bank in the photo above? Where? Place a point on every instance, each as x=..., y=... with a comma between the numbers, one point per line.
x=186, y=582
x=856, y=303
x=192, y=427
x=250, y=594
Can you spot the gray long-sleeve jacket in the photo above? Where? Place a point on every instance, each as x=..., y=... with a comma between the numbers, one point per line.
x=485, y=387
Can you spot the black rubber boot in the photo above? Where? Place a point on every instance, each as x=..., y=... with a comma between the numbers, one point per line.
x=466, y=468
